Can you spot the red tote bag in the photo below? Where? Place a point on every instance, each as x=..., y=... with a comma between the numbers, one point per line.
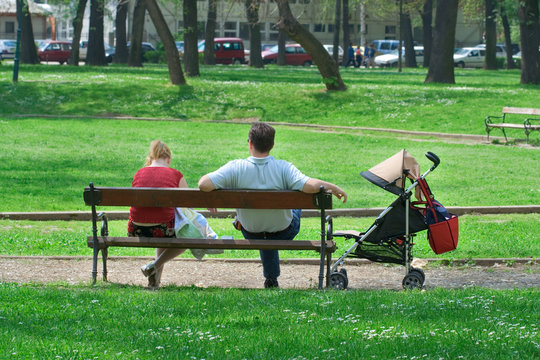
x=443, y=236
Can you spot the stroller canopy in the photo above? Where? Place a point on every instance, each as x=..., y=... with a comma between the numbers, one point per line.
x=392, y=172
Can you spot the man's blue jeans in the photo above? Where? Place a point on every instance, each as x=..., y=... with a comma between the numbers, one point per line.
x=270, y=258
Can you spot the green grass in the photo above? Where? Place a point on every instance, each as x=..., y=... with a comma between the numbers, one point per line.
x=45, y=163
x=375, y=98
x=112, y=322
x=490, y=236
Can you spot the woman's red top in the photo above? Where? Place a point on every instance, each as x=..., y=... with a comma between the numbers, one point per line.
x=154, y=176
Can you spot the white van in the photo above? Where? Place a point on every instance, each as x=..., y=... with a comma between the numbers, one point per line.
x=385, y=46
x=469, y=57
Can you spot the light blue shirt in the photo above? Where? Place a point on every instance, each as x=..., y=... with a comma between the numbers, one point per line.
x=260, y=174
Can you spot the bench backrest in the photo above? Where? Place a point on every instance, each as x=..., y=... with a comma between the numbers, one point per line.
x=521, y=111
x=176, y=197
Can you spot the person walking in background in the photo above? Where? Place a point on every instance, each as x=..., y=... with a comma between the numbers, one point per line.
x=358, y=56
x=261, y=171
x=350, y=56
x=156, y=221
x=371, y=56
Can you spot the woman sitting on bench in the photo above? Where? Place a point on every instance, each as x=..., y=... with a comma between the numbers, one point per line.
x=156, y=221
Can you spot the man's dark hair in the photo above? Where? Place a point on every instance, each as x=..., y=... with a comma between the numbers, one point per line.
x=262, y=136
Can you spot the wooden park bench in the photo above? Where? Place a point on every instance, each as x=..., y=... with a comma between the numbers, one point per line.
x=194, y=198
x=527, y=126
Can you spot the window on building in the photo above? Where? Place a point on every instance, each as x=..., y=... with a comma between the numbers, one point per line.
x=318, y=27
x=201, y=29
x=10, y=27
x=390, y=29
x=230, y=29
x=244, y=30
x=330, y=28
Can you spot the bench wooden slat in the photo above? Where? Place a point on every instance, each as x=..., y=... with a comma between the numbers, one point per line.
x=210, y=243
x=175, y=197
x=521, y=111
x=507, y=125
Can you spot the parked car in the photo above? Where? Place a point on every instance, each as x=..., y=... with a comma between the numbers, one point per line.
x=469, y=57
x=180, y=46
x=330, y=49
x=500, y=49
x=55, y=51
x=227, y=50
x=83, y=50
x=145, y=47
x=294, y=55
x=392, y=58
x=7, y=49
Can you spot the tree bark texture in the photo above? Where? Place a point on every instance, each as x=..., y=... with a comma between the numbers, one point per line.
x=530, y=38
x=282, y=38
x=254, y=27
x=346, y=34
x=77, y=29
x=490, y=61
x=407, y=35
x=191, y=53
x=427, y=20
x=441, y=66
x=337, y=26
x=326, y=65
x=121, y=53
x=137, y=30
x=209, y=33
x=28, y=50
x=510, y=64
x=171, y=52
x=96, y=48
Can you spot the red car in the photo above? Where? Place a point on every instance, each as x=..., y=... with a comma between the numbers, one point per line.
x=294, y=55
x=55, y=51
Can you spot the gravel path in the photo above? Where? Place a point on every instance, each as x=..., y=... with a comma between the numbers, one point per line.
x=248, y=274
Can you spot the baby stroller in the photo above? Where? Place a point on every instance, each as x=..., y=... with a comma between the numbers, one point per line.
x=390, y=238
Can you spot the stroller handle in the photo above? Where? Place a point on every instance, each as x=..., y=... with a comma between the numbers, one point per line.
x=433, y=158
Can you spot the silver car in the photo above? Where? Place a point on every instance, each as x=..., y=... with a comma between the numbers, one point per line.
x=7, y=49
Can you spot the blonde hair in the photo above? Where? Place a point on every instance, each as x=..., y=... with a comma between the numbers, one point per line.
x=158, y=150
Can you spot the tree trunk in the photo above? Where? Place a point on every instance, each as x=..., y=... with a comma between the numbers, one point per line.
x=326, y=65
x=121, y=53
x=507, y=39
x=209, y=56
x=171, y=52
x=346, y=34
x=282, y=38
x=137, y=30
x=530, y=37
x=252, y=13
x=337, y=27
x=28, y=46
x=490, y=61
x=427, y=19
x=96, y=48
x=191, y=54
x=441, y=66
x=407, y=35
x=77, y=29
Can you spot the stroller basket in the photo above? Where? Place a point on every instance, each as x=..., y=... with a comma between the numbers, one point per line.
x=388, y=251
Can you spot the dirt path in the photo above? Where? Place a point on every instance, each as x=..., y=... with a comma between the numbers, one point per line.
x=248, y=274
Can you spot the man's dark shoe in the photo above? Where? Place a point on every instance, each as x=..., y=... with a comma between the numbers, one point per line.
x=271, y=283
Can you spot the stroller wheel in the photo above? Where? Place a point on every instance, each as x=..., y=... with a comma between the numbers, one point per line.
x=413, y=280
x=338, y=280
x=420, y=272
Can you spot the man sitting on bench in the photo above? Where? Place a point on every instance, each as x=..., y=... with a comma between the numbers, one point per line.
x=261, y=171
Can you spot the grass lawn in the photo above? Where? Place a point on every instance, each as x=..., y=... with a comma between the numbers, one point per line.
x=112, y=322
